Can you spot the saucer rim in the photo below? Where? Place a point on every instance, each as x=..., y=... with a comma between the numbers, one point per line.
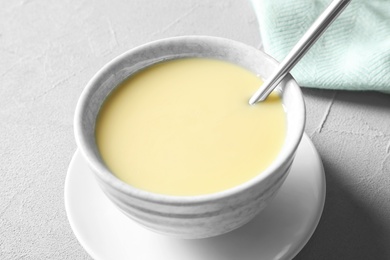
x=321, y=204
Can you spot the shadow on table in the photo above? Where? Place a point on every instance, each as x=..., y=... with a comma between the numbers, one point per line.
x=355, y=98
x=348, y=228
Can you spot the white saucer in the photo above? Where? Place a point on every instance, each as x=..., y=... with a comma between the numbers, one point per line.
x=279, y=232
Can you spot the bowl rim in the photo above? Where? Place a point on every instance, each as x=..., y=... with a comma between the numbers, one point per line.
x=103, y=173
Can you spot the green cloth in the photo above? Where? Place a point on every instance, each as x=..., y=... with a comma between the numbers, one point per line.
x=353, y=54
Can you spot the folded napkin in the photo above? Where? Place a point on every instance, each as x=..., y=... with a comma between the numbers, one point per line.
x=353, y=54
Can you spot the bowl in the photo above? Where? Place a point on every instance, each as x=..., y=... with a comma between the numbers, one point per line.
x=198, y=216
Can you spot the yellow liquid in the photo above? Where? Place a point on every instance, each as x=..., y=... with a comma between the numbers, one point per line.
x=184, y=127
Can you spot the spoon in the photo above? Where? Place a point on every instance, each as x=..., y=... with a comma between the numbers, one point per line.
x=299, y=50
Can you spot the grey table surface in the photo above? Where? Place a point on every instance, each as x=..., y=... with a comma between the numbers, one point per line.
x=50, y=49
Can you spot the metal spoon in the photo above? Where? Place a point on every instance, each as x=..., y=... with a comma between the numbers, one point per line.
x=299, y=50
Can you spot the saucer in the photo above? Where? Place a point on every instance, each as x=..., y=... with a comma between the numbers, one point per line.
x=280, y=231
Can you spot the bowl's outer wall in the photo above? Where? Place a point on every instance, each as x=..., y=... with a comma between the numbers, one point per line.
x=204, y=219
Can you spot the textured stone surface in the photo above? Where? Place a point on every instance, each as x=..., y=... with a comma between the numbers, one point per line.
x=50, y=49
x=351, y=131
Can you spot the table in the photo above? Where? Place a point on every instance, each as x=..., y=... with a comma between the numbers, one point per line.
x=50, y=49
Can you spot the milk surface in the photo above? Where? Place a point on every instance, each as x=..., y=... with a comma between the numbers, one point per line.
x=184, y=127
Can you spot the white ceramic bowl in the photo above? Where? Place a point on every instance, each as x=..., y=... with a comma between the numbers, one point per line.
x=189, y=216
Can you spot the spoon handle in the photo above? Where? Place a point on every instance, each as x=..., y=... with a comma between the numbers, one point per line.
x=299, y=50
